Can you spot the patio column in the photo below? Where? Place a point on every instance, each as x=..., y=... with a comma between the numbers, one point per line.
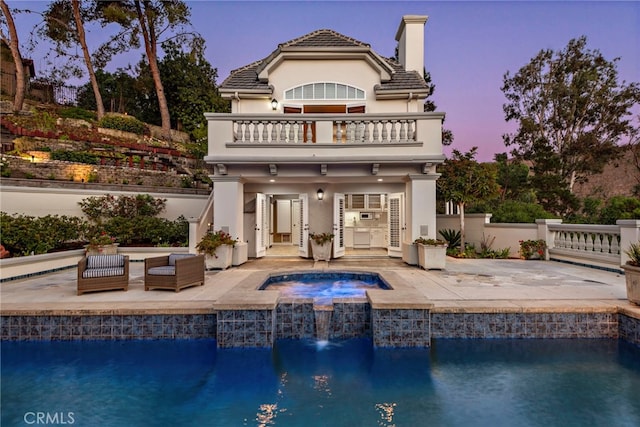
x=629, y=233
x=228, y=205
x=421, y=207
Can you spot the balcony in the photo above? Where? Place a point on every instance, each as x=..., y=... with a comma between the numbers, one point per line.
x=325, y=138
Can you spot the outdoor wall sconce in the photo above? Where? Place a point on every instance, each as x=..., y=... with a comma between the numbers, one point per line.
x=274, y=104
x=320, y=194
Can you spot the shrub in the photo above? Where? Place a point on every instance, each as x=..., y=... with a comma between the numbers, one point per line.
x=77, y=113
x=634, y=254
x=532, y=248
x=75, y=156
x=511, y=211
x=213, y=240
x=430, y=242
x=452, y=237
x=23, y=234
x=123, y=123
x=321, y=238
x=98, y=208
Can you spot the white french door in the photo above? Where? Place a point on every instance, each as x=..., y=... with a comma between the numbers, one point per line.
x=338, y=225
x=262, y=225
x=397, y=224
x=303, y=220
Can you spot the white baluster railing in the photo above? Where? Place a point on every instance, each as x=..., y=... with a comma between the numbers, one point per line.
x=346, y=129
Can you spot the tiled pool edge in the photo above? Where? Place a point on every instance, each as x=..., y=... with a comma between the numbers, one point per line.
x=615, y=323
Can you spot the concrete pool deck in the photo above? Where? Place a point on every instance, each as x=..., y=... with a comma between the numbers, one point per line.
x=466, y=285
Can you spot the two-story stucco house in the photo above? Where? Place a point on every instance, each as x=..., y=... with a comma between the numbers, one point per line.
x=325, y=135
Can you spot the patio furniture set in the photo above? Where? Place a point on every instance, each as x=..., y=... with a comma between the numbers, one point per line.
x=111, y=272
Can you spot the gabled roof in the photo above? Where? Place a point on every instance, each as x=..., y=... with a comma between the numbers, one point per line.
x=323, y=38
x=248, y=78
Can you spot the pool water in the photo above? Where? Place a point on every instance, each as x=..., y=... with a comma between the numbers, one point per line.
x=324, y=286
x=191, y=383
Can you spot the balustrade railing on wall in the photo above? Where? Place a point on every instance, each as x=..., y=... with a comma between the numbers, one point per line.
x=596, y=245
x=587, y=239
x=294, y=130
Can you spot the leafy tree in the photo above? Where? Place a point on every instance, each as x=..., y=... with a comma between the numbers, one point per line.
x=151, y=18
x=634, y=147
x=620, y=207
x=118, y=90
x=571, y=111
x=14, y=46
x=513, y=178
x=190, y=86
x=466, y=181
x=65, y=25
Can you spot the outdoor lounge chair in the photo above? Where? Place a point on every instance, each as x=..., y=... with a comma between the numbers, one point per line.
x=174, y=271
x=103, y=273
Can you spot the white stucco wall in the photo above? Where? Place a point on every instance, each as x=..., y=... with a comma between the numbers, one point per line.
x=59, y=201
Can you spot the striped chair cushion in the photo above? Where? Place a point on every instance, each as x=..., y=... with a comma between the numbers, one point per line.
x=174, y=257
x=165, y=270
x=91, y=273
x=105, y=261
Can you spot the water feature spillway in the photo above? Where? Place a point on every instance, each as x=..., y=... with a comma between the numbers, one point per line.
x=260, y=310
x=324, y=305
x=322, y=317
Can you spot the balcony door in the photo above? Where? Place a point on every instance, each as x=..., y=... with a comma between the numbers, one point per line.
x=323, y=109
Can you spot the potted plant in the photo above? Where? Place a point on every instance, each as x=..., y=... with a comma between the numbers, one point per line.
x=533, y=249
x=217, y=246
x=432, y=253
x=102, y=244
x=321, y=246
x=632, y=273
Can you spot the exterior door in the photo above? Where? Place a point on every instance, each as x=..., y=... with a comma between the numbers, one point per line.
x=295, y=220
x=338, y=225
x=397, y=224
x=262, y=225
x=303, y=220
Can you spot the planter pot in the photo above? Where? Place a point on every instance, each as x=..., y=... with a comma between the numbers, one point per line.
x=410, y=253
x=632, y=277
x=102, y=250
x=221, y=260
x=321, y=252
x=432, y=257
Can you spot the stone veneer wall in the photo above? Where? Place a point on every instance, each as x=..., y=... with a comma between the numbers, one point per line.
x=629, y=329
x=401, y=328
x=254, y=328
x=245, y=328
x=524, y=325
x=107, y=327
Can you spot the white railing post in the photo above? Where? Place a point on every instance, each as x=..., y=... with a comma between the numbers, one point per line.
x=629, y=233
x=545, y=234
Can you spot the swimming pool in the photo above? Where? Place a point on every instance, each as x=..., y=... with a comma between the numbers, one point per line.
x=455, y=383
x=324, y=286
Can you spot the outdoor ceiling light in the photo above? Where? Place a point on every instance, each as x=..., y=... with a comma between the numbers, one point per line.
x=320, y=194
x=274, y=104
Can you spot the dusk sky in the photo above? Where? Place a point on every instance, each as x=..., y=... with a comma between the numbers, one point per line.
x=469, y=45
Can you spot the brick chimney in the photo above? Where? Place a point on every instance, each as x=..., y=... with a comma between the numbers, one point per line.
x=410, y=37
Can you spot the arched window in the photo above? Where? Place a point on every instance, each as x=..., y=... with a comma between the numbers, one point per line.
x=326, y=90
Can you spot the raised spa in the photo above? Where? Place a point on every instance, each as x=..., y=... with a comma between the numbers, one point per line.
x=324, y=285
